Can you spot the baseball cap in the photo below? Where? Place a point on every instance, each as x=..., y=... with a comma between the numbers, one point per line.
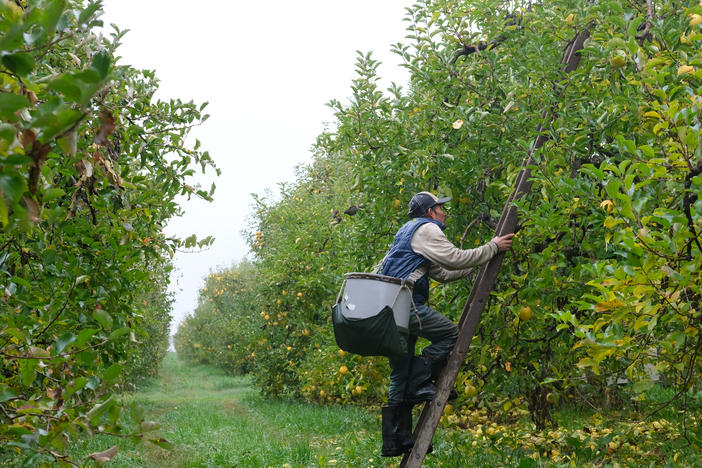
x=422, y=201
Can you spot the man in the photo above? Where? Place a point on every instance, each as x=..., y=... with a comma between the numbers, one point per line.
x=421, y=251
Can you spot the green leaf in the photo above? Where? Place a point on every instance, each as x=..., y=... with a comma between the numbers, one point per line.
x=78, y=384
x=16, y=160
x=98, y=410
x=148, y=426
x=17, y=334
x=88, y=12
x=52, y=14
x=27, y=367
x=21, y=64
x=68, y=143
x=101, y=63
x=11, y=103
x=4, y=219
x=103, y=318
x=89, y=78
x=54, y=121
x=111, y=373
x=63, y=341
x=7, y=393
x=633, y=25
x=640, y=387
x=12, y=186
x=52, y=194
x=14, y=38
x=647, y=151
x=120, y=332
x=68, y=86
x=7, y=136
x=137, y=411
x=18, y=430
x=21, y=282
x=84, y=336
x=163, y=443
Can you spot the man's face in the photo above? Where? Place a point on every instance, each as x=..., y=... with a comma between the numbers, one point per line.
x=437, y=212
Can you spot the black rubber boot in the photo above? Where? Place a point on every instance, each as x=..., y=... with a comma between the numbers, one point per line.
x=419, y=385
x=424, y=371
x=400, y=442
x=404, y=427
x=437, y=366
x=396, y=434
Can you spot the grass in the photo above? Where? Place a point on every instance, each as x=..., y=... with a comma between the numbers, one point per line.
x=216, y=420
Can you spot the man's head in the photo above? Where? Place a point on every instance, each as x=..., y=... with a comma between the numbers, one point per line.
x=427, y=205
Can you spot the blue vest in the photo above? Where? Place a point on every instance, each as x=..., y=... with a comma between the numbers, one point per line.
x=401, y=260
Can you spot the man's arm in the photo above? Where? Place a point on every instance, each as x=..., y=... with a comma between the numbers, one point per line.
x=442, y=275
x=430, y=242
x=448, y=262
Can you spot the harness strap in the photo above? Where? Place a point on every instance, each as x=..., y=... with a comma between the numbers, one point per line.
x=405, y=285
x=338, y=297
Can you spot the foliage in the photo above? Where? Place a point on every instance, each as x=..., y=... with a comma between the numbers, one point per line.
x=90, y=167
x=600, y=297
x=212, y=335
x=143, y=357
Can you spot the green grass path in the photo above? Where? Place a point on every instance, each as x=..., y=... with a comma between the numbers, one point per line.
x=215, y=420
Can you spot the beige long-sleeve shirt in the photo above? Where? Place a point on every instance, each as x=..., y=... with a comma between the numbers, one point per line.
x=447, y=262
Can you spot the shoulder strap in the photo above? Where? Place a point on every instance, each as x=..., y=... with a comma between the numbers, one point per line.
x=379, y=267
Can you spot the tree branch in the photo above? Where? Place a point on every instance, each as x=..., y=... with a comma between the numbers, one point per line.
x=469, y=49
x=63, y=307
x=687, y=201
x=646, y=32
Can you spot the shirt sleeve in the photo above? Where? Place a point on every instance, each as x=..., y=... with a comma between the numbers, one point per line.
x=430, y=242
x=442, y=275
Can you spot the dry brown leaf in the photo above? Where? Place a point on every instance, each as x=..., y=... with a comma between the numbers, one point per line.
x=112, y=176
x=106, y=455
x=28, y=137
x=32, y=209
x=107, y=126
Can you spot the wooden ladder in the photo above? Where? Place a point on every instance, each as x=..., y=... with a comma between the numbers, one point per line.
x=484, y=283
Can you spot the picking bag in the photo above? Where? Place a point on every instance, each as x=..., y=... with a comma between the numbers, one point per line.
x=371, y=315
x=373, y=336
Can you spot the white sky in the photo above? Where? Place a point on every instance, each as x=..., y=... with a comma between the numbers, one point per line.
x=267, y=69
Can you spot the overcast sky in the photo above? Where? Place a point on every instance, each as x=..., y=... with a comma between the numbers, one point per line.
x=267, y=69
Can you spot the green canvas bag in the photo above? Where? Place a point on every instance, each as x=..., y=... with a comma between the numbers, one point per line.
x=373, y=336
x=377, y=318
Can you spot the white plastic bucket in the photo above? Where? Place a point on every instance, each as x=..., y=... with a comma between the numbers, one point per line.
x=366, y=294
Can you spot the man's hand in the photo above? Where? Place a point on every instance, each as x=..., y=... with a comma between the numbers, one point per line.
x=504, y=242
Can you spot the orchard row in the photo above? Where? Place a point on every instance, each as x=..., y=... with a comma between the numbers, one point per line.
x=599, y=299
x=90, y=168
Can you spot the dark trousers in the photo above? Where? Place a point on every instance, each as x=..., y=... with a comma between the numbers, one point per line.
x=442, y=333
